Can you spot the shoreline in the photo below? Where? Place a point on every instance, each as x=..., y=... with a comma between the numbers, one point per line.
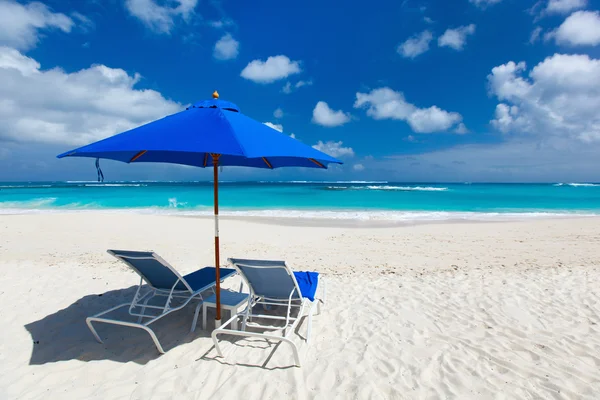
x=328, y=218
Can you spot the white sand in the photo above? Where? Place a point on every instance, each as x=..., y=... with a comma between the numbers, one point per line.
x=466, y=311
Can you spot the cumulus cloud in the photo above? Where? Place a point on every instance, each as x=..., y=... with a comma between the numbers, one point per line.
x=94, y=103
x=456, y=38
x=273, y=69
x=278, y=113
x=461, y=129
x=415, y=45
x=564, y=6
x=385, y=103
x=21, y=23
x=484, y=3
x=325, y=116
x=221, y=23
x=277, y=127
x=560, y=97
x=226, y=48
x=289, y=88
x=535, y=34
x=582, y=28
x=160, y=18
x=358, y=167
x=334, y=149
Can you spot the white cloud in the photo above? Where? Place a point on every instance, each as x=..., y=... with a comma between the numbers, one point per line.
x=84, y=23
x=358, y=167
x=415, y=45
x=277, y=127
x=93, y=103
x=325, y=116
x=385, y=103
x=299, y=84
x=484, y=3
x=289, y=88
x=221, y=23
x=160, y=19
x=559, y=98
x=516, y=160
x=278, y=113
x=564, y=6
x=226, y=48
x=456, y=38
x=535, y=34
x=334, y=149
x=461, y=129
x=582, y=28
x=19, y=24
x=428, y=20
x=275, y=68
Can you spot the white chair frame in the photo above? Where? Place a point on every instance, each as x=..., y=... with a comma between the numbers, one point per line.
x=291, y=323
x=141, y=301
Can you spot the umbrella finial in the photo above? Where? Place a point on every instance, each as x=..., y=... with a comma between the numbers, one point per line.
x=215, y=95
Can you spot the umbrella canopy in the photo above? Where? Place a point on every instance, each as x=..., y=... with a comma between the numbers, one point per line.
x=208, y=127
x=209, y=133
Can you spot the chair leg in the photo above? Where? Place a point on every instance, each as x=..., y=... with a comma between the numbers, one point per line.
x=154, y=339
x=294, y=350
x=150, y=331
x=89, y=324
x=245, y=318
x=144, y=309
x=195, y=321
x=216, y=343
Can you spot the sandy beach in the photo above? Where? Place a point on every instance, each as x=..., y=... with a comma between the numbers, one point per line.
x=498, y=310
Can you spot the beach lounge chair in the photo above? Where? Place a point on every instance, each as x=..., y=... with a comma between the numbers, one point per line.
x=163, y=281
x=273, y=283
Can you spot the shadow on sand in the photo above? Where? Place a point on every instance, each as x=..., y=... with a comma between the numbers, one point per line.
x=64, y=335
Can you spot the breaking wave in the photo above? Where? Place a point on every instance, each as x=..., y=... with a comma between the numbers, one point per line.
x=392, y=188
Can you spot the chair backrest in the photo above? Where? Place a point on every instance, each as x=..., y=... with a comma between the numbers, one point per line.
x=269, y=279
x=152, y=268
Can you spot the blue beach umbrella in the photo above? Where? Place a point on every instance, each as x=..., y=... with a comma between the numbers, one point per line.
x=209, y=133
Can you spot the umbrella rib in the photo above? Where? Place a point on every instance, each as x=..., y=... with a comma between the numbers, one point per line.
x=267, y=162
x=316, y=162
x=205, y=159
x=138, y=155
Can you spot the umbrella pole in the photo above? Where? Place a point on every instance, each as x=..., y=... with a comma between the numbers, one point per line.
x=215, y=158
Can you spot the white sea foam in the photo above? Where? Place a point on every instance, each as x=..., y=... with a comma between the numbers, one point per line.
x=392, y=188
x=114, y=184
x=38, y=207
x=29, y=204
x=173, y=203
x=326, y=182
x=578, y=184
x=23, y=186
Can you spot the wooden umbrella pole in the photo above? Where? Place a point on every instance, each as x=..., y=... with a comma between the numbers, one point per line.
x=215, y=158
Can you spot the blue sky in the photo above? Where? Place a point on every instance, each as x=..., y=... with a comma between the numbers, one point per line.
x=462, y=90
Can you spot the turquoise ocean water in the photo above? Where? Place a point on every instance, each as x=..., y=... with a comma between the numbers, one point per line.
x=340, y=200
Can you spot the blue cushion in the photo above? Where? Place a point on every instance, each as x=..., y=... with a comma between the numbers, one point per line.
x=204, y=277
x=307, y=281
